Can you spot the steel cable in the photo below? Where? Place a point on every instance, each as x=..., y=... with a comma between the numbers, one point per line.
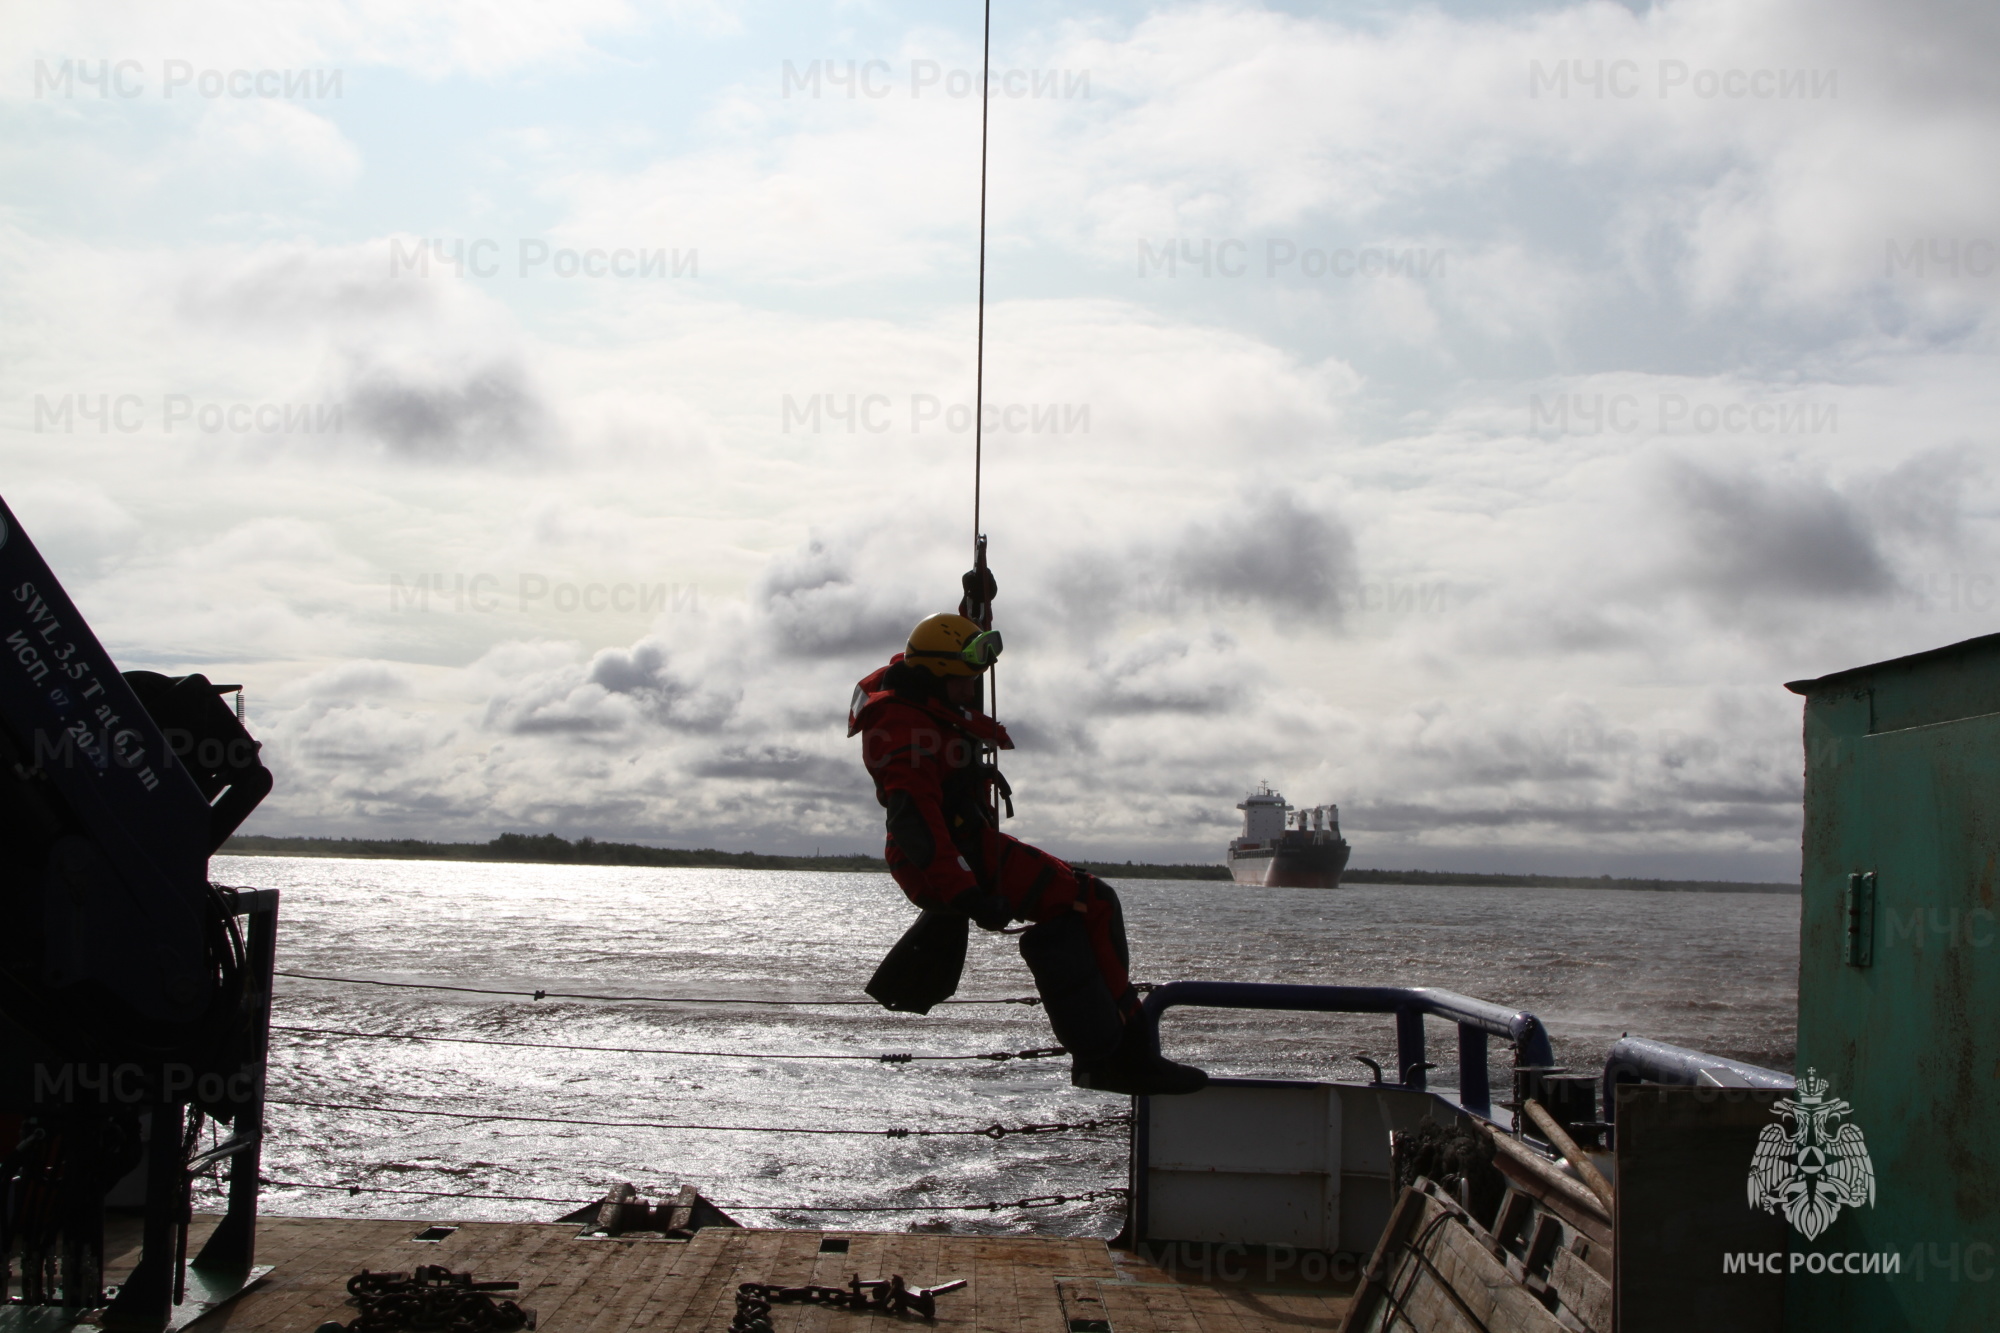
x=979, y=345
x=892, y=1058
x=994, y=1131
x=1029, y=1000
x=993, y=1205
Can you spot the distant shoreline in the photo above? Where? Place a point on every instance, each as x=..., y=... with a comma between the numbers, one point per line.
x=549, y=849
x=1564, y=882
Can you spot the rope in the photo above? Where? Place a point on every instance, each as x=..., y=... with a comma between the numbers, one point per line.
x=1032, y=1201
x=432, y=1194
x=897, y=1058
x=1438, y=1275
x=994, y=1205
x=992, y=683
x=1029, y=1000
x=995, y=1131
x=979, y=372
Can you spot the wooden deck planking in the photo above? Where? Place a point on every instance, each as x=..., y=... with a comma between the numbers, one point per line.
x=1250, y=1293
x=669, y=1302
x=1215, y=1312
x=1041, y=1305
x=829, y=1270
x=491, y=1251
x=566, y=1270
x=995, y=1305
x=307, y=1265
x=713, y=1303
x=1162, y=1309
x=1016, y=1284
x=786, y=1259
x=623, y=1285
x=308, y=1284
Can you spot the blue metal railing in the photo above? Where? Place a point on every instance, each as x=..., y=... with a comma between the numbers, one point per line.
x=1643, y=1060
x=1476, y=1019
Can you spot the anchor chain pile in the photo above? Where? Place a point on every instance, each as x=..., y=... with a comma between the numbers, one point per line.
x=433, y=1297
x=893, y=1296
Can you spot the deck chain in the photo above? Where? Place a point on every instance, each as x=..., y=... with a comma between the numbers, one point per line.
x=891, y=1296
x=433, y=1297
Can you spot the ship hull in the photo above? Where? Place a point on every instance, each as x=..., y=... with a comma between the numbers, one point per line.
x=1309, y=867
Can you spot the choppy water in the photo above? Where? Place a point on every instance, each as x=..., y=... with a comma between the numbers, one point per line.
x=1713, y=971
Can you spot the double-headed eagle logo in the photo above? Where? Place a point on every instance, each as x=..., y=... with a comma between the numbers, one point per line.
x=1814, y=1169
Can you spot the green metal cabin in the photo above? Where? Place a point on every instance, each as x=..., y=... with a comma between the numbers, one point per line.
x=1899, y=983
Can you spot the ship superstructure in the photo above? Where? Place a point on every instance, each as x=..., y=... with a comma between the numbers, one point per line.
x=1282, y=847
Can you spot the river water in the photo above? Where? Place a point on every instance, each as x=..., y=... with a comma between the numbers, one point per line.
x=1716, y=972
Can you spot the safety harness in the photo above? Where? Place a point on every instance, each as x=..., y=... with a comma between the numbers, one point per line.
x=971, y=786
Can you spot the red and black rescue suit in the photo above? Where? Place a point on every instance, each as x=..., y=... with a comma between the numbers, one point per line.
x=925, y=756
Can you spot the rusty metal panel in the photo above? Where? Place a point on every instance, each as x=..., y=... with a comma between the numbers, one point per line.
x=1691, y=1253
x=1899, y=997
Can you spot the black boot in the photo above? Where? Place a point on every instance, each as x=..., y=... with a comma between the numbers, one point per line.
x=1136, y=1071
x=924, y=967
x=1080, y=1007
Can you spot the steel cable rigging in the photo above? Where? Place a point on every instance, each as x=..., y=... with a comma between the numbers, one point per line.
x=991, y=1205
x=889, y=1058
x=539, y=994
x=979, y=587
x=995, y=1131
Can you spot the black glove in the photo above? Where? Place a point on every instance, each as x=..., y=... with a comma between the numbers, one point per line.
x=979, y=592
x=989, y=911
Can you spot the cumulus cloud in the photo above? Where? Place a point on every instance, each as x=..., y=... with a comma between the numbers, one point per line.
x=1922, y=497
x=671, y=699
x=816, y=602
x=556, y=704
x=267, y=144
x=76, y=526
x=1251, y=518
x=1166, y=672
x=468, y=415
x=294, y=290
x=1273, y=552
x=1750, y=538
x=481, y=40
x=351, y=682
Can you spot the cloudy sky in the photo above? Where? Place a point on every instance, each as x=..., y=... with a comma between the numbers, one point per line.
x=1469, y=414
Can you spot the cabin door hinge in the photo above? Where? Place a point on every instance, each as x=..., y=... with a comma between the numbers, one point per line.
x=1858, y=938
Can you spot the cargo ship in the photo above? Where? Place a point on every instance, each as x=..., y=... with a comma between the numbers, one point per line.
x=1283, y=848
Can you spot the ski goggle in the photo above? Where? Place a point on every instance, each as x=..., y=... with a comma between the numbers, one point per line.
x=982, y=650
x=979, y=652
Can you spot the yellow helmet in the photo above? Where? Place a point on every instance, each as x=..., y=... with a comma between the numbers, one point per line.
x=949, y=645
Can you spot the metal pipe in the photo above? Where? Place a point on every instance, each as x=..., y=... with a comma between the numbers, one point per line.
x=1546, y=1172
x=1474, y=1091
x=1643, y=1060
x=228, y=1148
x=1476, y=1020
x=232, y=1246
x=1410, y=1062
x=1575, y=1156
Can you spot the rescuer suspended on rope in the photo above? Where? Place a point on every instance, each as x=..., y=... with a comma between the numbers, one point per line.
x=929, y=747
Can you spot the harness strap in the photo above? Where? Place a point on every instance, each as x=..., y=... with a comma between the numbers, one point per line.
x=1032, y=899
x=1001, y=785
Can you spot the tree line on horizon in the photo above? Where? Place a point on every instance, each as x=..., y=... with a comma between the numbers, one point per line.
x=552, y=848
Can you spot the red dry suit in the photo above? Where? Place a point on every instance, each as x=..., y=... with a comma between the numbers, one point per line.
x=942, y=847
